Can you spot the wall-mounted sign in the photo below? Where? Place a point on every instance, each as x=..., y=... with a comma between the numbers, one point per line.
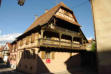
x=48, y=60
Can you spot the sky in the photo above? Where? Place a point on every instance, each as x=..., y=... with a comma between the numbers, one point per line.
x=15, y=19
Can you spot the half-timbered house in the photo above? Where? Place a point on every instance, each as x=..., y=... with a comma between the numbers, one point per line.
x=47, y=45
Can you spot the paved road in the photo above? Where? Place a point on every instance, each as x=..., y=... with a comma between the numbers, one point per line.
x=4, y=69
x=8, y=71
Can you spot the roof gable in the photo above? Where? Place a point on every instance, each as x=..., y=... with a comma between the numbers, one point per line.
x=67, y=15
x=46, y=16
x=7, y=46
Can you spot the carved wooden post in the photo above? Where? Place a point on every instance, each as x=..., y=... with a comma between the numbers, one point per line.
x=82, y=42
x=54, y=21
x=42, y=32
x=72, y=42
x=60, y=39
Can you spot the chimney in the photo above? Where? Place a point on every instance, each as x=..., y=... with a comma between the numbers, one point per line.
x=46, y=10
x=36, y=17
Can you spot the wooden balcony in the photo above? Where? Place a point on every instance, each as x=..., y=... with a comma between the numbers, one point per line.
x=66, y=31
x=63, y=31
x=59, y=44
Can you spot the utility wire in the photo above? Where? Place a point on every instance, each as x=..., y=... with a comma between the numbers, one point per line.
x=81, y=4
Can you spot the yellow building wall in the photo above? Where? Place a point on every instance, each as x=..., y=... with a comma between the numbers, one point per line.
x=58, y=64
x=61, y=63
x=102, y=21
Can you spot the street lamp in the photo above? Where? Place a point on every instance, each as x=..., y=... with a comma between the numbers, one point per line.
x=21, y=2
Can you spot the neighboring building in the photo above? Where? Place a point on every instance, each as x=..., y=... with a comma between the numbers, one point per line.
x=6, y=52
x=1, y=48
x=89, y=44
x=51, y=44
x=101, y=10
x=13, y=54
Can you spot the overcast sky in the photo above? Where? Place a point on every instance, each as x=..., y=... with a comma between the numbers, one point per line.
x=15, y=19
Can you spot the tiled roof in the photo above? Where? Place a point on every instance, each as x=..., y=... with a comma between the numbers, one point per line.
x=9, y=45
x=47, y=16
x=1, y=48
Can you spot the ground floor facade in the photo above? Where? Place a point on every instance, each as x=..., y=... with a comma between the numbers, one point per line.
x=35, y=61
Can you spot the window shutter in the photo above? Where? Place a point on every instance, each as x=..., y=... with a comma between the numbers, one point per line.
x=53, y=55
x=14, y=46
x=36, y=36
x=33, y=38
x=27, y=40
x=21, y=43
x=24, y=41
x=17, y=45
x=43, y=54
x=30, y=39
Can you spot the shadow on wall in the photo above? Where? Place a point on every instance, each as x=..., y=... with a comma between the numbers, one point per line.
x=31, y=63
x=104, y=58
x=82, y=63
x=41, y=66
x=73, y=63
x=3, y=64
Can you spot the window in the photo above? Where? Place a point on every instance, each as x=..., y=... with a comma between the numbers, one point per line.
x=19, y=65
x=47, y=55
x=16, y=45
x=31, y=68
x=21, y=43
x=14, y=57
x=27, y=39
x=37, y=35
x=32, y=38
x=25, y=66
x=23, y=40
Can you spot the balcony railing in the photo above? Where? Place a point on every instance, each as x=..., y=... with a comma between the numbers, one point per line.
x=59, y=44
x=66, y=31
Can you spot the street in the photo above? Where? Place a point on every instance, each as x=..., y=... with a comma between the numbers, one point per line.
x=4, y=69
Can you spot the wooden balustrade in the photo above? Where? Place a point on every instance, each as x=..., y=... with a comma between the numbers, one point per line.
x=59, y=44
x=66, y=32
